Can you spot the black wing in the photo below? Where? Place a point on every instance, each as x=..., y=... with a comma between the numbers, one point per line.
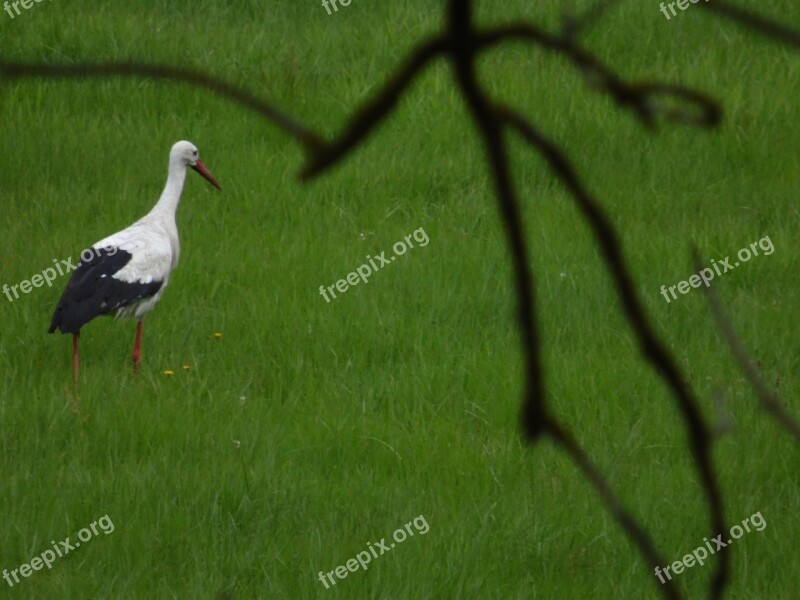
x=92, y=291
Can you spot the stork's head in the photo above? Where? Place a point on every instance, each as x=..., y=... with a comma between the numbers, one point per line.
x=186, y=154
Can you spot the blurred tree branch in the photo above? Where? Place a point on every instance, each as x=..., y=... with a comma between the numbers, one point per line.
x=770, y=401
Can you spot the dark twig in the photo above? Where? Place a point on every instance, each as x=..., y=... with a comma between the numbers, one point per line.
x=463, y=54
x=465, y=48
x=750, y=20
x=635, y=531
x=645, y=99
x=574, y=26
x=769, y=400
x=17, y=70
x=700, y=436
x=371, y=113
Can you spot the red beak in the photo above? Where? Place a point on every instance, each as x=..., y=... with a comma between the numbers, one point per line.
x=201, y=168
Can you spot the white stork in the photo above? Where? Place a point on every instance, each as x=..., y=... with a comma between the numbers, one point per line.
x=126, y=273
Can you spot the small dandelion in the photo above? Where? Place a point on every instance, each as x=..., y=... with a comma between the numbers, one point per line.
x=169, y=373
x=187, y=367
x=217, y=335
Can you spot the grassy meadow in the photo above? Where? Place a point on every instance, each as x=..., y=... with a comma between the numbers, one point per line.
x=308, y=429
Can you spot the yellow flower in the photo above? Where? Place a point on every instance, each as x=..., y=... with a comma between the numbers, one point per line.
x=169, y=373
x=186, y=367
x=217, y=335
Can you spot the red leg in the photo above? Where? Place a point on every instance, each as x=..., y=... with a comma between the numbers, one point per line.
x=137, y=348
x=75, y=361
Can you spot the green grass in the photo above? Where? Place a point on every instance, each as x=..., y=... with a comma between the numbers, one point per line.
x=311, y=428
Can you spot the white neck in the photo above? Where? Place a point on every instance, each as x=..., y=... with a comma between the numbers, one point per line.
x=167, y=205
